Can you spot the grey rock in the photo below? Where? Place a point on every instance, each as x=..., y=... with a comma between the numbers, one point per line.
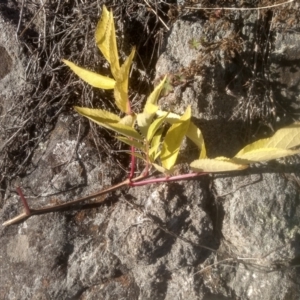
x=159, y=241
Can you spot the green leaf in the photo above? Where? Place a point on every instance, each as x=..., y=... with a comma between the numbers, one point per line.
x=253, y=146
x=155, y=125
x=154, y=151
x=263, y=154
x=113, y=50
x=94, y=79
x=98, y=113
x=102, y=33
x=108, y=120
x=285, y=138
x=144, y=119
x=173, y=139
x=128, y=120
x=195, y=135
x=156, y=92
x=121, y=86
x=271, y=148
x=203, y=151
x=216, y=165
x=131, y=142
x=168, y=86
x=136, y=154
x=105, y=36
x=159, y=168
x=193, y=132
x=194, y=44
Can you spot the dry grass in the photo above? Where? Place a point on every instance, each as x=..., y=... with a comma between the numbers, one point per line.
x=51, y=30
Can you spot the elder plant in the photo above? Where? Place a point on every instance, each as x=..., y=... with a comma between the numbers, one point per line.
x=143, y=131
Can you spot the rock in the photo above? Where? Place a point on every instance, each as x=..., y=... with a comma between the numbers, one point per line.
x=166, y=229
x=232, y=236
x=258, y=213
x=12, y=84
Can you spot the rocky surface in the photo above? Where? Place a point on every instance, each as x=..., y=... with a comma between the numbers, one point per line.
x=231, y=236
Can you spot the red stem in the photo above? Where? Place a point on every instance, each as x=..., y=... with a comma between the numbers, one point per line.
x=167, y=179
x=24, y=201
x=132, y=167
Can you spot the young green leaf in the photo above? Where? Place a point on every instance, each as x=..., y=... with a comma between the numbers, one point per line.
x=173, y=139
x=94, y=79
x=121, y=86
x=168, y=86
x=216, y=165
x=109, y=121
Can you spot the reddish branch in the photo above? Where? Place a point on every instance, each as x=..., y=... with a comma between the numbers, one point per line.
x=138, y=181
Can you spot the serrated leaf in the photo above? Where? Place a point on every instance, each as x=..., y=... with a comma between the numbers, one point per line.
x=121, y=86
x=102, y=32
x=216, y=165
x=109, y=121
x=155, y=125
x=285, y=138
x=131, y=142
x=113, y=50
x=128, y=120
x=253, y=146
x=271, y=148
x=173, y=139
x=99, y=113
x=153, y=97
x=105, y=36
x=263, y=154
x=92, y=78
x=193, y=132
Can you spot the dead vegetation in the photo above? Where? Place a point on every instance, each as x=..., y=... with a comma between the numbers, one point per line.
x=49, y=31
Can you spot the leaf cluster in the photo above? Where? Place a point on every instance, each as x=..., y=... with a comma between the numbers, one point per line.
x=144, y=132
